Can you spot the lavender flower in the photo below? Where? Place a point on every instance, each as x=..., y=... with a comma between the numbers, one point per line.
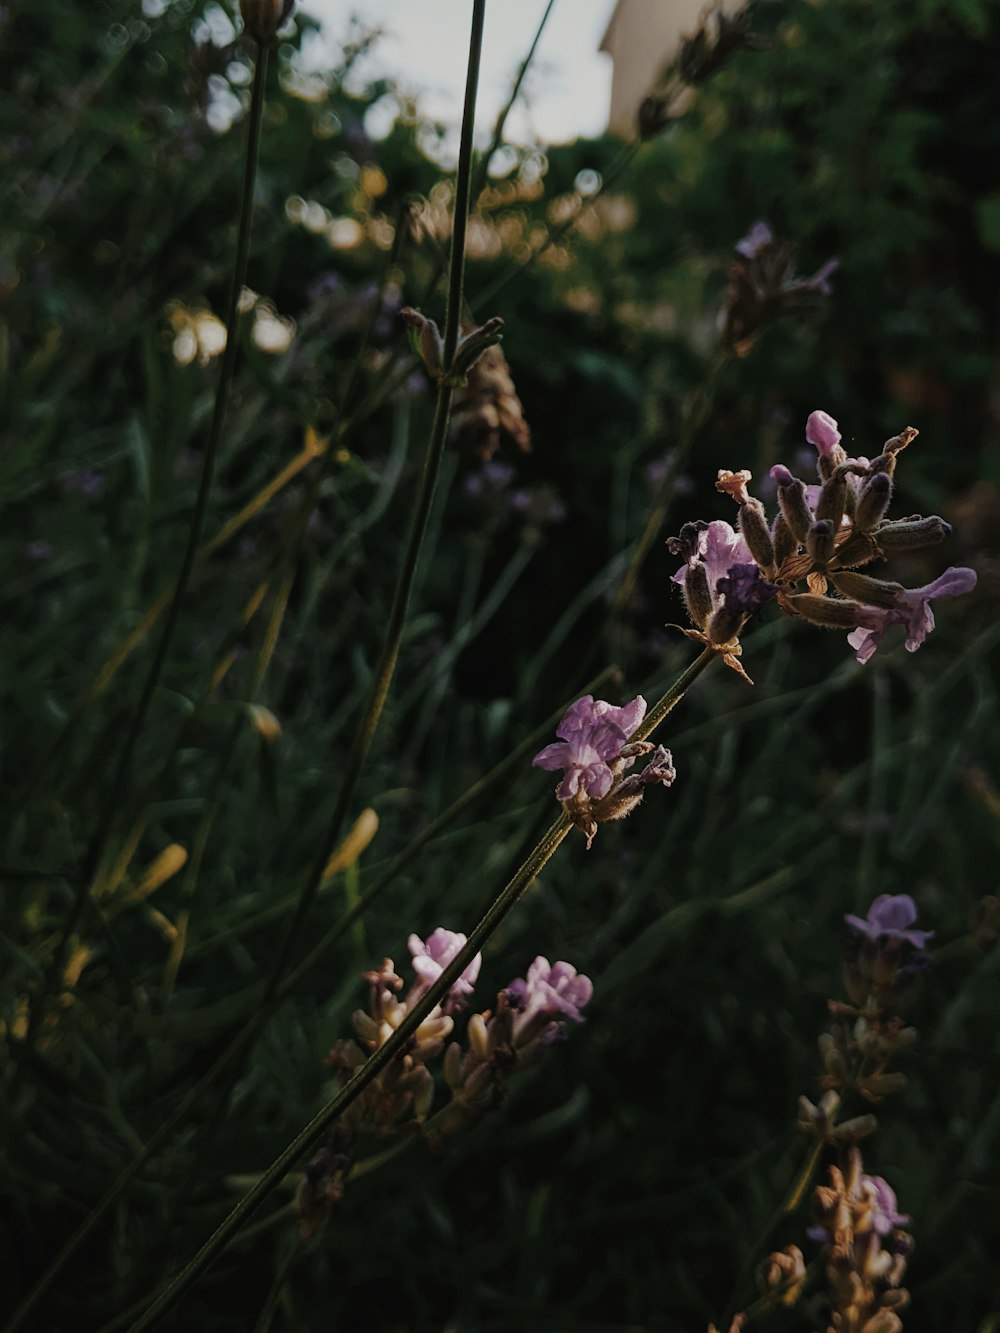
x=891, y=917
x=882, y=1199
x=548, y=993
x=721, y=579
x=593, y=733
x=432, y=956
x=744, y=590
x=821, y=430
x=821, y=537
x=758, y=238
x=594, y=755
x=912, y=609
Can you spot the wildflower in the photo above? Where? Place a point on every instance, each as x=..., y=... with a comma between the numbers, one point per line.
x=432, y=956
x=594, y=753
x=529, y=1017
x=721, y=580
x=865, y=1253
x=884, y=952
x=759, y=238
x=823, y=535
x=891, y=917
x=912, y=609
x=821, y=430
x=882, y=1200
x=547, y=994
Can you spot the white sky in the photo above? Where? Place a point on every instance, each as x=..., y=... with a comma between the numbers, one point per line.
x=565, y=95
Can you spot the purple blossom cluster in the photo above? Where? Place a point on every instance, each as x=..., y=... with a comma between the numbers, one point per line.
x=865, y=1250
x=530, y=1014
x=885, y=950
x=595, y=753
x=821, y=537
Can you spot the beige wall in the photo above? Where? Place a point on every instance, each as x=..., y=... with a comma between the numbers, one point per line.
x=641, y=37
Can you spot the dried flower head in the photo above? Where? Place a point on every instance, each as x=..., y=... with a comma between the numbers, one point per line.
x=488, y=410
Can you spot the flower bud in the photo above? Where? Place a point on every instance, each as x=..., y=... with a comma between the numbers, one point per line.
x=784, y=543
x=873, y=501
x=910, y=533
x=753, y=526
x=859, y=549
x=473, y=345
x=830, y=612
x=832, y=499
x=863, y=588
x=263, y=18
x=697, y=596
x=792, y=498
x=820, y=541
x=426, y=339
x=724, y=625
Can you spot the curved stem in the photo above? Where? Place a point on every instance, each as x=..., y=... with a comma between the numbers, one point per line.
x=98, y=842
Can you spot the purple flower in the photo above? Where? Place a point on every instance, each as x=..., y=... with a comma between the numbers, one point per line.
x=432, y=956
x=912, y=609
x=891, y=916
x=718, y=547
x=758, y=238
x=821, y=430
x=744, y=590
x=548, y=993
x=884, y=1217
x=39, y=551
x=592, y=732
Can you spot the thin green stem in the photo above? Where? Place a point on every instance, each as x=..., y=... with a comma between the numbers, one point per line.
x=432, y=464
x=673, y=696
x=98, y=842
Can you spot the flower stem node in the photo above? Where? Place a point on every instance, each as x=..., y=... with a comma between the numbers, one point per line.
x=263, y=18
x=595, y=754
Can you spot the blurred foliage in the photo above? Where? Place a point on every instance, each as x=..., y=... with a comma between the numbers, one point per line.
x=628, y=1182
